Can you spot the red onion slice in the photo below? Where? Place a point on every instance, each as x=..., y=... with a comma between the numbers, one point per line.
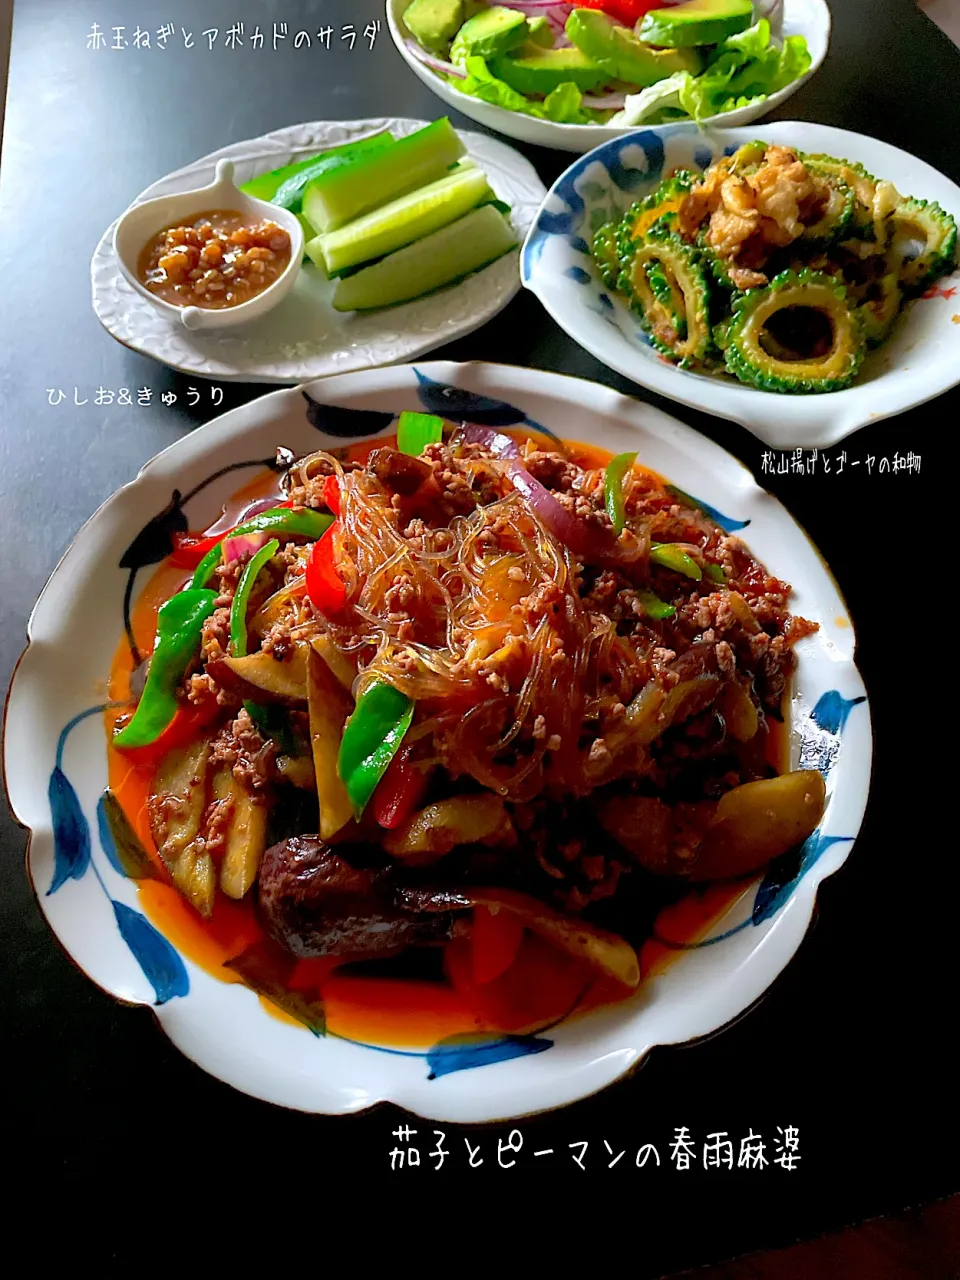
x=435, y=64
x=591, y=542
x=555, y=12
x=607, y=102
x=255, y=508
x=244, y=544
x=500, y=446
x=772, y=10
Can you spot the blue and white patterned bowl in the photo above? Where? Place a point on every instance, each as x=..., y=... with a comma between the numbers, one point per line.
x=56, y=762
x=920, y=360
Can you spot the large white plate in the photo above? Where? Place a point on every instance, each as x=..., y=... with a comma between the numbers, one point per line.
x=807, y=18
x=56, y=766
x=919, y=360
x=304, y=337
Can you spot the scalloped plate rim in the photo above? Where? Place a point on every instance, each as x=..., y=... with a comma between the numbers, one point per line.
x=794, y=916
x=277, y=143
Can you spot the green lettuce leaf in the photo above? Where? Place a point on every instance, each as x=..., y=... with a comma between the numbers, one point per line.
x=481, y=83
x=795, y=62
x=744, y=70
x=563, y=105
x=642, y=107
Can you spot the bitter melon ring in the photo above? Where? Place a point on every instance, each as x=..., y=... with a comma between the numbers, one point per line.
x=667, y=287
x=756, y=364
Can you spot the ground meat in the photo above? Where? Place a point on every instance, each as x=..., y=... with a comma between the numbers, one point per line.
x=240, y=746
x=279, y=642
x=726, y=659
x=215, y=637
x=553, y=470
x=202, y=688
x=217, y=822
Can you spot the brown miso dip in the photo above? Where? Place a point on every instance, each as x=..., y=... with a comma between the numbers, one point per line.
x=220, y=260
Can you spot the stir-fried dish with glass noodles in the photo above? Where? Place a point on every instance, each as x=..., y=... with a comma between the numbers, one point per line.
x=467, y=700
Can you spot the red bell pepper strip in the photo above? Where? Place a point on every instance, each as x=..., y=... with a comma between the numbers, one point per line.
x=324, y=585
x=628, y=12
x=183, y=728
x=399, y=791
x=331, y=494
x=495, y=942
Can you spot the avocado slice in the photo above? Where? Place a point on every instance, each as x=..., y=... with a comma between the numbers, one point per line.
x=540, y=71
x=434, y=23
x=696, y=22
x=489, y=33
x=622, y=55
x=540, y=33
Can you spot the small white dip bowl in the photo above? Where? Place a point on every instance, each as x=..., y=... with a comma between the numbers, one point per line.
x=142, y=222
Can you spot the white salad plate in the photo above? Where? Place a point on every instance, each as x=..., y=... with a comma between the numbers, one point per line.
x=303, y=337
x=920, y=359
x=56, y=762
x=807, y=18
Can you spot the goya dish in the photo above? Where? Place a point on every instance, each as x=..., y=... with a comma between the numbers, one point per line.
x=458, y=710
x=779, y=267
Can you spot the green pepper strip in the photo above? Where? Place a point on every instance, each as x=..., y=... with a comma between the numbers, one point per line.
x=617, y=468
x=271, y=721
x=241, y=598
x=371, y=738
x=179, y=627
x=655, y=607
x=304, y=523
x=669, y=556
x=416, y=430
x=715, y=572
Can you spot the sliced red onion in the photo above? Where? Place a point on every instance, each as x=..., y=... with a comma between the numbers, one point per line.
x=254, y=509
x=555, y=13
x=592, y=542
x=435, y=64
x=606, y=102
x=500, y=446
x=244, y=544
x=772, y=10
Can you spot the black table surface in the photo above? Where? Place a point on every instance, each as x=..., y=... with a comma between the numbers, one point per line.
x=848, y=1045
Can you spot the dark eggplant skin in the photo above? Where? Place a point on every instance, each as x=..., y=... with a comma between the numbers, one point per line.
x=314, y=902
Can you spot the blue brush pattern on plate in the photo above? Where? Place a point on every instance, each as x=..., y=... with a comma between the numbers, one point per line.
x=455, y=1055
x=785, y=874
x=820, y=745
x=346, y=423
x=469, y=406
x=107, y=842
x=162, y=965
x=71, y=834
x=727, y=523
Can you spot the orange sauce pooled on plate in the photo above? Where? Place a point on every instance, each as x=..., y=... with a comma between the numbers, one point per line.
x=541, y=986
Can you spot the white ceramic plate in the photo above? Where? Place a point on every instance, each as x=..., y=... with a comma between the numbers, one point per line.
x=920, y=360
x=808, y=18
x=56, y=769
x=304, y=337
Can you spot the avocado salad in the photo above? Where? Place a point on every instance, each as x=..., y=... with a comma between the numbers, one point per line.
x=620, y=62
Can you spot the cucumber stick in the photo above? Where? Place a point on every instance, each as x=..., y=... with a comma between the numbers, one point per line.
x=449, y=254
x=285, y=187
x=349, y=191
x=399, y=223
